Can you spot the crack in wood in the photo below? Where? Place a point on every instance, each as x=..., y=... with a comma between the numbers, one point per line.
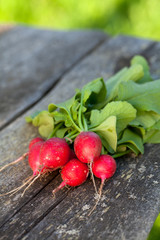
x=19, y=209
x=38, y=220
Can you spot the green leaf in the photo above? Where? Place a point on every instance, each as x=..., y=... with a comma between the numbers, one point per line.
x=156, y=126
x=133, y=73
x=130, y=137
x=65, y=109
x=123, y=111
x=62, y=116
x=138, y=59
x=64, y=105
x=52, y=107
x=107, y=148
x=144, y=97
x=120, y=154
x=60, y=133
x=30, y=118
x=107, y=130
x=112, y=81
x=145, y=119
x=139, y=130
x=142, y=61
x=132, y=147
x=152, y=136
x=93, y=93
x=74, y=110
x=45, y=123
x=59, y=116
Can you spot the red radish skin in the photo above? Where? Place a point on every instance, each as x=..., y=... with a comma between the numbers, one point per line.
x=34, y=158
x=55, y=153
x=44, y=156
x=104, y=168
x=74, y=173
x=34, y=141
x=87, y=146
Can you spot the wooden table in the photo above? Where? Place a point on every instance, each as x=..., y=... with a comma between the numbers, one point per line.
x=38, y=67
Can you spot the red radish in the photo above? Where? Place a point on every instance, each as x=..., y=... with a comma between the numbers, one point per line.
x=87, y=146
x=44, y=156
x=34, y=158
x=74, y=173
x=55, y=153
x=32, y=142
x=103, y=167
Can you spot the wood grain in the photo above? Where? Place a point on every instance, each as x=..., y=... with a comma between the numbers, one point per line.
x=33, y=60
x=126, y=210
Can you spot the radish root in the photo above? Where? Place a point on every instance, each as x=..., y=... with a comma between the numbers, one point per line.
x=99, y=197
x=30, y=181
x=14, y=162
x=63, y=184
x=92, y=177
x=18, y=188
x=34, y=179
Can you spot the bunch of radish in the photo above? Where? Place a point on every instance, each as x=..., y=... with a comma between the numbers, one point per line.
x=55, y=153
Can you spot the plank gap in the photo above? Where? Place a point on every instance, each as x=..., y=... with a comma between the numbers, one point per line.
x=19, y=209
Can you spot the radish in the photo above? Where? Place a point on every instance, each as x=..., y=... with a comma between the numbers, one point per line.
x=74, y=173
x=34, y=158
x=44, y=156
x=55, y=153
x=87, y=147
x=103, y=167
x=34, y=149
x=32, y=142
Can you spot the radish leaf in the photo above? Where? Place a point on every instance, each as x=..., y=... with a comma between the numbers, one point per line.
x=131, y=137
x=107, y=130
x=123, y=111
x=45, y=123
x=144, y=97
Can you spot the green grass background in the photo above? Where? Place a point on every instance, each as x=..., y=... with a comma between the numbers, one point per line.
x=132, y=17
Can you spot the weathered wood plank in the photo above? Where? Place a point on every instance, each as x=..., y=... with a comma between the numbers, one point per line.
x=128, y=202
x=32, y=60
x=101, y=63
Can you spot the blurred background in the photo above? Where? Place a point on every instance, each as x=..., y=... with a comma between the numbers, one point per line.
x=139, y=18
